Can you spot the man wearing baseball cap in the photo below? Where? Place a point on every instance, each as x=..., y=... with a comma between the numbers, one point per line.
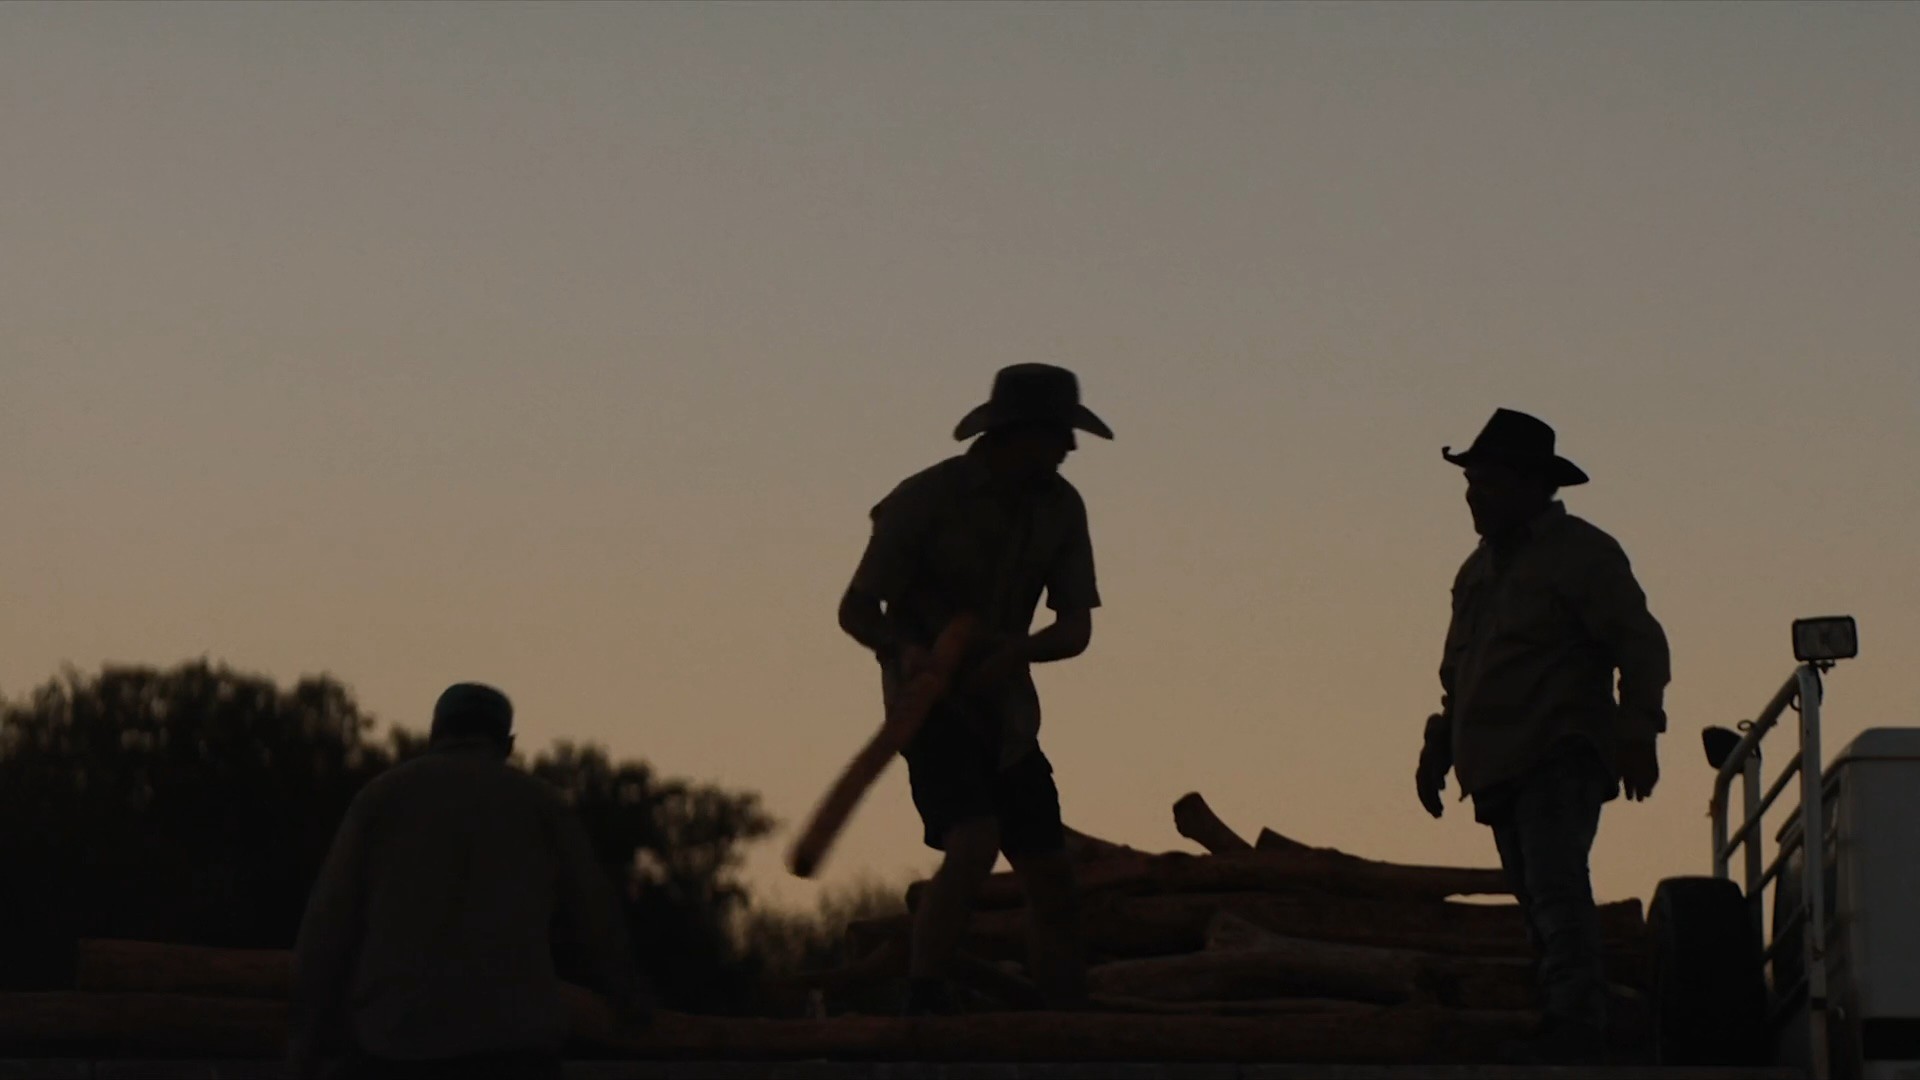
x=428, y=945
x=986, y=533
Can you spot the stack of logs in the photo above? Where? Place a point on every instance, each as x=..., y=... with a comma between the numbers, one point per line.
x=1269, y=951
x=1277, y=929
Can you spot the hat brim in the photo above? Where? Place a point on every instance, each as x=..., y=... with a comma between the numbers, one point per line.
x=993, y=415
x=1560, y=471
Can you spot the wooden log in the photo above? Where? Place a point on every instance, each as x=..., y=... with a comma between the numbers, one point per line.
x=1279, y=870
x=108, y=968
x=1310, y=972
x=1082, y=848
x=1257, y=1007
x=1470, y=982
x=104, y=1024
x=984, y=977
x=1366, y=1035
x=887, y=960
x=1268, y=840
x=1196, y=821
x=1380, y=974
x=93, y=1024
x=104, y=965
x=1128, y=926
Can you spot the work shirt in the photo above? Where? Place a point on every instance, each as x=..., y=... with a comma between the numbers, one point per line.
x=1541, y=621
x=947, y=540
x=431, y=930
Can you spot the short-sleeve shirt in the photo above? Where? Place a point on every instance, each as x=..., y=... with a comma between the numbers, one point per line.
x=947, y=541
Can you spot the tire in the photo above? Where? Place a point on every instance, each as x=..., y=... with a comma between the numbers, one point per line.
x=1709, y=989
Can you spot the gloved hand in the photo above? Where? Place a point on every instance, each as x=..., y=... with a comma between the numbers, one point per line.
x=1430, y=782
x=1430, y=779
x=1639, y=768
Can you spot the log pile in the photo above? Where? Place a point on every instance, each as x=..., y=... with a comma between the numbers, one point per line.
x=1274, y=928
x=149, y=999
x=1265, y=951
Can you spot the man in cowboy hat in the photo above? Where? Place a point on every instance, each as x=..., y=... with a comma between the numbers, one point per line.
x=1545, y=611
x=987, y=532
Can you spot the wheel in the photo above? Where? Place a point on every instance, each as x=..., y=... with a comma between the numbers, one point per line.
x=1709, y=990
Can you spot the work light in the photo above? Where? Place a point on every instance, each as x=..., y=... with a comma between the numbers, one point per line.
x=1824, y=640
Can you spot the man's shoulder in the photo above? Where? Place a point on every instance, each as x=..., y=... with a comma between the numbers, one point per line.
x=433, y=771
x=1063, y=491
x=929, y=486
x=1472, y=566
x=1583, y=536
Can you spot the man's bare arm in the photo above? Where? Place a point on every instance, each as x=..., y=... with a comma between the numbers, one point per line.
x=864, y=621
x=1068, y=636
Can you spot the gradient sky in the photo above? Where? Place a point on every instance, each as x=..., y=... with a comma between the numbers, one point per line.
x=565, y=347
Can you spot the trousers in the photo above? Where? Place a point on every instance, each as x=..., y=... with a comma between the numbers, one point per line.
x=1544, y=824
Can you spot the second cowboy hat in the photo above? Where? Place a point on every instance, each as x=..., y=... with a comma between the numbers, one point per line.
x=1026, y=392
x=1514, y=438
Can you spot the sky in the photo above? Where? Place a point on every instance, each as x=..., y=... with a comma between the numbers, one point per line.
x=565, y=347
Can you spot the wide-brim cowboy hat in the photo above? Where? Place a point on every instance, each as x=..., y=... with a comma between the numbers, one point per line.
x=1024, y=393
x=1516, y=439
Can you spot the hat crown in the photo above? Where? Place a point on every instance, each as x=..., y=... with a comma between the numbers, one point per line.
x=1515, y=434
x=1026, y=393
x=1514, y=438
x=1042, y=385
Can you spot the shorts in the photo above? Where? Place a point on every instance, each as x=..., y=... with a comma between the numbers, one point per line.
x=953, y=769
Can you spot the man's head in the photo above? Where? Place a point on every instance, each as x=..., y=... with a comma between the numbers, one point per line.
x=1512, y=471
x=1503, y=496
x=473, y=711
x=1026, y=452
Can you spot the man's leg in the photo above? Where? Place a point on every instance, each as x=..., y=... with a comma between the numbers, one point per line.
x=1554, y=823
x=1054, y=952
x=950, y=770
x=1513, y=864
x=1035, y=841
x=971, y=848
x=1558, y=838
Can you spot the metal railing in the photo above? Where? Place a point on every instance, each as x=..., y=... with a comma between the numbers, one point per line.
x=1801, y=691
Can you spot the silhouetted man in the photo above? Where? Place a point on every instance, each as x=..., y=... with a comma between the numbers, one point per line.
x=987, y=532
x=428, y=944
x=1544, y=612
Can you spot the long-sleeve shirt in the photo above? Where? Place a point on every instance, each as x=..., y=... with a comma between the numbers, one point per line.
x=431, y=930
x=1541, y=621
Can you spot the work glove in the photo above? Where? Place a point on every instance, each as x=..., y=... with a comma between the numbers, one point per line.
x=1430, y=779
x=1639, y=768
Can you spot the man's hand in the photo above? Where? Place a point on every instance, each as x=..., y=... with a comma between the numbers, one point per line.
x=914, y=660
x=1430, y=781
x=1006, y=658
x=1639, y=768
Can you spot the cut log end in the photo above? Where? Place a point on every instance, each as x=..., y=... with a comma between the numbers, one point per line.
x=1196, y=821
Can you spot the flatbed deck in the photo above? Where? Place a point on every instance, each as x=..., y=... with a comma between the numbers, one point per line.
x=253, y=1069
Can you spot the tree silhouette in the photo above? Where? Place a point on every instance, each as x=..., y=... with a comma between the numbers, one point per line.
x=196, y=804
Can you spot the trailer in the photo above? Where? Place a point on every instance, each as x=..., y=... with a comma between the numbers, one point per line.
x=1809, y=959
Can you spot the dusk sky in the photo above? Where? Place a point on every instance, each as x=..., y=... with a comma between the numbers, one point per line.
x=565, y=347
